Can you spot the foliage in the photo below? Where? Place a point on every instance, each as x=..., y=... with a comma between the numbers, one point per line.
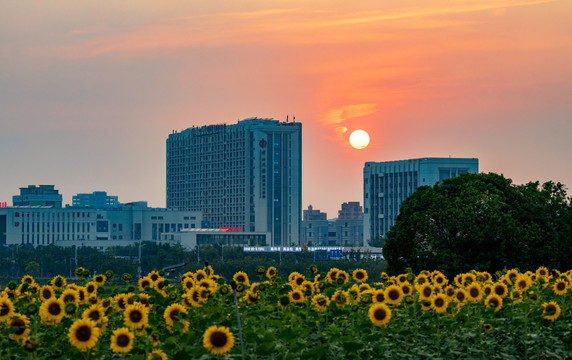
x=481, y=222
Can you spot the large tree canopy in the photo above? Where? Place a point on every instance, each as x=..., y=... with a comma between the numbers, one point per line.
x=482, y=222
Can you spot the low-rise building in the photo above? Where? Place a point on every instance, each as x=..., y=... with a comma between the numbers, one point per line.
x=42, y=195
x=134, y=222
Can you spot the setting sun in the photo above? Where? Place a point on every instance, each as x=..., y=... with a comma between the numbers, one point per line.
x=359, y=139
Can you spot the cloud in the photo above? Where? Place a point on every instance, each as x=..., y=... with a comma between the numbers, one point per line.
x=295, y=26
x=337, y=117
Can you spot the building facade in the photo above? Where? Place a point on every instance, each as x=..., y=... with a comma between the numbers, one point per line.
x=246, y=175
x=97, y=199
x=41, y=225
x=349, y=225
x=314, y=228
x=388, y=184
x=41, y=195
x=345, y=230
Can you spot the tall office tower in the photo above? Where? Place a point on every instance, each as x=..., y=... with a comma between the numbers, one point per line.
x=246, y=175
x=387, y=184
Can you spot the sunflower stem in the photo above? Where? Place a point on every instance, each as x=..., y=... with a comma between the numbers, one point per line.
x=233, y=286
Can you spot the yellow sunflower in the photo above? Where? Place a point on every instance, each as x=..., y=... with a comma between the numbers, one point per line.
x=439, y=303
x=359, y=275
x=122, y=340
x=91, y=287
x=500, y=289
x=522, y=282
x=188, y=283
x=332, y=274
x=241, y=277
x=218, y=340
x=378, y=296
x=560, y=287
x=343, y=275
x=421, y=279
x=425, y=291
x=494, y=301
x=95, y=313
x=52, y=311
x=551, y=310
x=157, y=355
x=6, y=309
x=70, y=295
x=293, y=275
x=406, y=288
x=174, y=312
x=460, y=295
x=425, y=304
x=83, y=334
x=59, y=282
x=512, y=275
x=136, y=316
x=271, y=272
x=474, y=292
x=21, y=323
x=120, y=302
x=193, y=297
x=379, y=314
x=542, y=272
x=393, y=295
x=47, y=292
x=99, y=279
x=320, y=302
x=296, y=296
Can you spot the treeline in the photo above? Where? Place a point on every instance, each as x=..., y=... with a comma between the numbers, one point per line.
x=45, y=262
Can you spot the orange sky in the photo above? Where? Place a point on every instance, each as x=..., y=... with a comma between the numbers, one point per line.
x=90, y=91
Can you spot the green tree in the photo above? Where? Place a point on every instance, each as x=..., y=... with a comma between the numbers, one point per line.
x=482, y=222
x=32, y=268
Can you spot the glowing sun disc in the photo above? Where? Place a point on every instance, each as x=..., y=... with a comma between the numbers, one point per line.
x=359, y=139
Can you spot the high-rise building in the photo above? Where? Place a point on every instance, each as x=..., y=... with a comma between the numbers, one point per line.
x=246, y=175
x=387, y=184
x=97, y=199
x=42, y=195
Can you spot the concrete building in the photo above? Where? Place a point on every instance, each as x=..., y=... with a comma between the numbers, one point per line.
x=42, y=225
x=345, y=230
x=42, y=195
x=246, y=175
x=314, y=228
x=97, y=199
x=349, y=225
x=387, y=184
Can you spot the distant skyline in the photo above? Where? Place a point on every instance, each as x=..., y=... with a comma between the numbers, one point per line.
x=90, y=91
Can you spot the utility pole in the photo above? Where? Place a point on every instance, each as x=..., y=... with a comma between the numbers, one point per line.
x=139, y=262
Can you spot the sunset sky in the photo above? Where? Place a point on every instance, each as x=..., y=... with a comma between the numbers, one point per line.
x=90, y=90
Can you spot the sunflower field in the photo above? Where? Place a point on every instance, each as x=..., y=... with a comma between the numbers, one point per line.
x=318, y=315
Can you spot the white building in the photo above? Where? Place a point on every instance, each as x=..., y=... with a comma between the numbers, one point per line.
x=246, y=175
x=190, y=238
x=40, y=225
x=387, y=184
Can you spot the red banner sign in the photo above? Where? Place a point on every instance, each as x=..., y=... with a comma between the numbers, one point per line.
x=231, y=228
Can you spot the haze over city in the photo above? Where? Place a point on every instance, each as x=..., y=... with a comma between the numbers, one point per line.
x=91, y=91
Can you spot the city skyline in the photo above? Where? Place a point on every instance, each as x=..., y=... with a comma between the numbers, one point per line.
x=90, y=91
